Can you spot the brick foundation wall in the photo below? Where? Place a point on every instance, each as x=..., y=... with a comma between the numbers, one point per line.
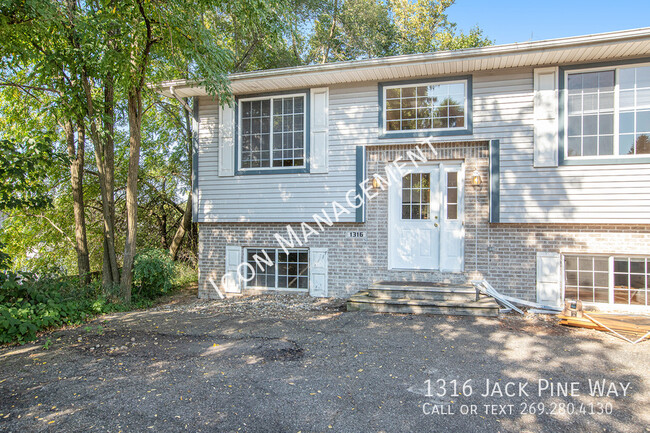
x=504, y=254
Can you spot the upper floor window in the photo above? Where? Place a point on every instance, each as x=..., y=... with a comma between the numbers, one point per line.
x=272, y=132
x=608, y=112
x=426, y=107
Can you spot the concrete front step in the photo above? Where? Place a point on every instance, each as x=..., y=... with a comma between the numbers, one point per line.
x=365, y=301
x=423, y=292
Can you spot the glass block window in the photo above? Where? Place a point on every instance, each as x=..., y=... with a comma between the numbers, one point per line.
x=272, y=132
x=590, y=129
x=452, y=195
x=416, y=191
x=288, y=271
x=425, y=107
x=634, y=117
x=607, y=279
x=608, y=112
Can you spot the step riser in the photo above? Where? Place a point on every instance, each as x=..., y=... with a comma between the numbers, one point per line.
x=406, y=309
x=425, y=296
x=422, y=288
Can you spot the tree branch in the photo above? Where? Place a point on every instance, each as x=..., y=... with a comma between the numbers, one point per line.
x=55, y=226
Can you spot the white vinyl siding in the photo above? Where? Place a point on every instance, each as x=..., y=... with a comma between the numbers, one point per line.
x=503, y=109
x=282, y=197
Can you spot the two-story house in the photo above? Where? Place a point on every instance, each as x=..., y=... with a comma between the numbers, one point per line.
x=525, y=164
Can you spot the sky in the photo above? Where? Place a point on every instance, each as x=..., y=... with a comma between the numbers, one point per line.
x=505, y=21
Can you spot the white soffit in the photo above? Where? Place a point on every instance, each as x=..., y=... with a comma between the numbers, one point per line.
x=591, y=48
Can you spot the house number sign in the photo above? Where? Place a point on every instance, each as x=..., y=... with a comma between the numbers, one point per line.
x=357, y=235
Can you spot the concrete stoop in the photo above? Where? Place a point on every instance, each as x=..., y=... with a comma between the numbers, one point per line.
x=423, y=298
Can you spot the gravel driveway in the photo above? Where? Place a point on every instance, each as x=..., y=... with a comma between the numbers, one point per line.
x=293, y=364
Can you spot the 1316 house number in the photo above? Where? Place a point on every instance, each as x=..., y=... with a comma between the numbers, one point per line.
x=358, y=235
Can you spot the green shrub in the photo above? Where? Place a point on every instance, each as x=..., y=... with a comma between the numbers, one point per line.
x=30, y=303
x=153, y=271
x=184, y=275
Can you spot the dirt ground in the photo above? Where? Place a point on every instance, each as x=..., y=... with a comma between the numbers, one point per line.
x=296, y=364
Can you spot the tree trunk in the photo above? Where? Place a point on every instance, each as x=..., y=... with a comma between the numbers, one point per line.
x=109, y=172
x=76, y=179
x=186, y=222
x=184, y=227
x=162, y=229
x=105, y=169
x=134, y=103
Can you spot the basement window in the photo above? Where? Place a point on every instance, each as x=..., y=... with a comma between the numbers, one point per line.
x=607, y=279
x=286, y=271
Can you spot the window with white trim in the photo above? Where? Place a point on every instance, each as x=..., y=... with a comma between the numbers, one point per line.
x=608, y=112
x=607, y=279
x=272, y=132
x=426, y=106
x=287, y=271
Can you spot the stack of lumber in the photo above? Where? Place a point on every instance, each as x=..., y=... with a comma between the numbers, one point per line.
x=631, y=327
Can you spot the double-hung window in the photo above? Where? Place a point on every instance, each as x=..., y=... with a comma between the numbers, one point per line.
x=607, y=112
x=272, y=132
x=427, y=108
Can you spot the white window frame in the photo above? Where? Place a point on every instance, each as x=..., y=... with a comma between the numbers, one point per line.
x=275, y=264
x=565, y=103
x=465, y=83
x=271, y=98
x=610, y=263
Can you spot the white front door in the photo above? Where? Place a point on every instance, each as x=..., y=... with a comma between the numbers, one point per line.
x=425, y=219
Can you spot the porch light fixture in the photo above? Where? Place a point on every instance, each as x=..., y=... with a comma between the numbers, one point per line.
x=476, y=178
x=375, y=182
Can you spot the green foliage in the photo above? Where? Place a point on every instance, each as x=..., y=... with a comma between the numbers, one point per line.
x=184, y=275
x=30, y=303
x=23, y=169
x=5, y=259
x=153, y=271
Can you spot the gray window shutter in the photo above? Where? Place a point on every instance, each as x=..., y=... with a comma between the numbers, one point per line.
x=319, y=127
x=318, y=272
x=546, y=117
x=549, y=279
x=231, y=282
x=226, y=141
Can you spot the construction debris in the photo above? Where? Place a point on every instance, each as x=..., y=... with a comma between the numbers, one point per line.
x=632, y=329
x=486, y=288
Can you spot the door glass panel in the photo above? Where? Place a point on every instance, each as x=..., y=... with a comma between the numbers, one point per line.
x=416, y=192
x=452, y=195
